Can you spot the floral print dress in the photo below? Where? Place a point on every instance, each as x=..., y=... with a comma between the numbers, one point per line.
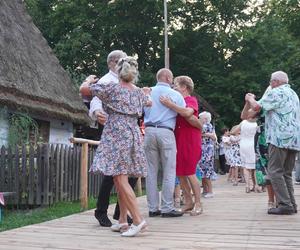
x=234, y=151
x=121, y=146
x=206, y=163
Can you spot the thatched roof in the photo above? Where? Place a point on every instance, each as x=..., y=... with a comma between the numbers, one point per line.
x=31, y=78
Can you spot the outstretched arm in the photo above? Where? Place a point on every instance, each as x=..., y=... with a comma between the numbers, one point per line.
x=245, y=114
x=184, y=112
x=254, y=105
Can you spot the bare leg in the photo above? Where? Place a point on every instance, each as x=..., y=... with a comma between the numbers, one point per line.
x=177, y=196
x=205, y=186
x=230, y=174
x=209, y=185
x=186, y=189
x=235, y=175
x=195, y=187
x=257, y=188
x=247, y=178
x=123, y=210
x=271, y=195
x=128, y=198
x=242, y=174
x=197, y=209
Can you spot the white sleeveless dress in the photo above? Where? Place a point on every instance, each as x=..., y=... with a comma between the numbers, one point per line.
x=247, y=151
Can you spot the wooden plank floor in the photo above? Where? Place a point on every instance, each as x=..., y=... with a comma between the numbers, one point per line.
x=231, y=220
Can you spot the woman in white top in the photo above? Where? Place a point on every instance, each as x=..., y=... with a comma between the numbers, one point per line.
x=248, y=129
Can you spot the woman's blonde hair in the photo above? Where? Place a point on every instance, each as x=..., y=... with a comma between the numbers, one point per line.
x=127, y=69
x=185, y=81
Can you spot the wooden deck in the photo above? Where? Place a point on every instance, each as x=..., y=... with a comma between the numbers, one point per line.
x=231, y=220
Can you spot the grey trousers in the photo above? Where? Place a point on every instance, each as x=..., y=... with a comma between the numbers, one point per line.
x=280, y=167
x=297, y=168
x=160, y=147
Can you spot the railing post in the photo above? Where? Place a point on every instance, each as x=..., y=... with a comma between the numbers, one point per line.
x=139, y=186
x=84, y=176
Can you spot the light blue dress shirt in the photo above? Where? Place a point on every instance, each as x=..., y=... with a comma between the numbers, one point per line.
x=158, y=114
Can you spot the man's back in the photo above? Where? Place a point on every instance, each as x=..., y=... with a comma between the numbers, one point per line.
x=159, y=114
x=109, y=77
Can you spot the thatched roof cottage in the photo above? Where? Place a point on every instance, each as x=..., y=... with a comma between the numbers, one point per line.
x=31, y=79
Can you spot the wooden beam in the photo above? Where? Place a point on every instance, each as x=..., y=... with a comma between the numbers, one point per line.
x=81, y=141
x=84, y=176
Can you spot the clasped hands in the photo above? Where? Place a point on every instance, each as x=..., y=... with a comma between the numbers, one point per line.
x=91, y=79
x=249, y=97
x=101, y=117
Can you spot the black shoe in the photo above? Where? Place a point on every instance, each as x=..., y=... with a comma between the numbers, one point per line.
x=103, y=220
x=156, y=213
x=129, y=220
x=173, y=213
x=295, y=208
x=281, y=210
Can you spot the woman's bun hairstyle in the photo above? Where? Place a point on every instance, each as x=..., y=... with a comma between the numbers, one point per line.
x=127, y=69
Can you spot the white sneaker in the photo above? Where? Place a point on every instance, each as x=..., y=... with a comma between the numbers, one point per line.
x=119, y=227
x=134, y=230
x=209, y=195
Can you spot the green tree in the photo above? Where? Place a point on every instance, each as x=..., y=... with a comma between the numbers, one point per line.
x=83, y=32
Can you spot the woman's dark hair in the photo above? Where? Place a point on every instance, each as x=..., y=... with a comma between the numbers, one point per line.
x=223, y=130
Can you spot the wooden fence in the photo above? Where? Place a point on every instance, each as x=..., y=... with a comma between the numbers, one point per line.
x=45, y=174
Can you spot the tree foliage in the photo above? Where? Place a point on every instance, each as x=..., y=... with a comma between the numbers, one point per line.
x=228, y=47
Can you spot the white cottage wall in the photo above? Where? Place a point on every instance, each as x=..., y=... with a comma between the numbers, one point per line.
x=60, y=132
x=4, y=127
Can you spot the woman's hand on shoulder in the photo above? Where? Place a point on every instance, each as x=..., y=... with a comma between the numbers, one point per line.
x=166, y=101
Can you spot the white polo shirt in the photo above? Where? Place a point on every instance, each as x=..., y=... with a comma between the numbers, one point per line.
x=96, y=103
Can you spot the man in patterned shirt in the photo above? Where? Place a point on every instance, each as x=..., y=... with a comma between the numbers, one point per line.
x=282, y=127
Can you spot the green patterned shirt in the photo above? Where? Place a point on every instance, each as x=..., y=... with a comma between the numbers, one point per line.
x=282, y=113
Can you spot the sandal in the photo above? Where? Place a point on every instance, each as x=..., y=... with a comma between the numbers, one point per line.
x=187, y=208
x=197, y=210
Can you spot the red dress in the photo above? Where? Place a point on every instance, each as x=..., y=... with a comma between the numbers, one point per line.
x=188, y=142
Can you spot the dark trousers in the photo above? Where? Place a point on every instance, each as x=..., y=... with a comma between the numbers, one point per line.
x=222, y=163
x=104, y=194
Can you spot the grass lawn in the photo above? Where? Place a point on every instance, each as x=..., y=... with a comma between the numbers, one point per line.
x=19, y=218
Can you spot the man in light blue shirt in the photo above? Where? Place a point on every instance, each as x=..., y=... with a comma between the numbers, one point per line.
x=160, y=146
x=282, y=115
x=159, y=114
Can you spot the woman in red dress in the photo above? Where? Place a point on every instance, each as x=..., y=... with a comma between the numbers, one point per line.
x=188, y=142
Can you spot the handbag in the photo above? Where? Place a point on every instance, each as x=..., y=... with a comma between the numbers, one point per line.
x=260, y=178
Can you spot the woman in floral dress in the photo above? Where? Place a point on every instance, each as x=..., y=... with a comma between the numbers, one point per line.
x=120, y=152
x=234, y=155
x=206, y=164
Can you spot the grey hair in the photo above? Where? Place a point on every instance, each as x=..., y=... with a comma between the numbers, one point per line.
x=115, y=55
x=280, y=76
x=127, y=69
x=206, y=115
